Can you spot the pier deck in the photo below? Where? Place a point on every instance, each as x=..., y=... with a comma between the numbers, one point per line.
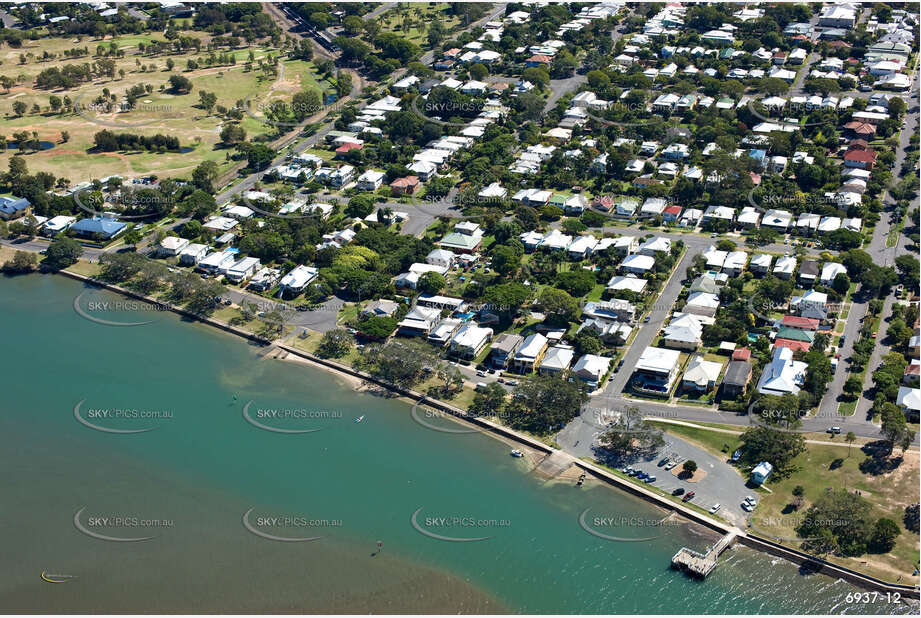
x=699, y=564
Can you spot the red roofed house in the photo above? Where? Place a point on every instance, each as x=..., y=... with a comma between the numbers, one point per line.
x=861, y=159
x=793, y=345
x=671, y=214
x=537, y=60
x=860, y=129
x=346, y=147
x=404, y=186
x=912, y=375
x=741, y=354
x=604, y=203
x=796, y=321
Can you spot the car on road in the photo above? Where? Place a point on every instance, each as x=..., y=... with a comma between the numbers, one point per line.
x=713, y=509
x=688, y=496
x=481, y=374
x=512, y=382
x=646, y=319
x=501, y=380
x=834, y=430
x=865, y=88
x=713, y=235
x=619, y=365
x=678, y=492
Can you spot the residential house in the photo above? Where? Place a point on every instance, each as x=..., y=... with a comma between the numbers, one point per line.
x=737, y=377
x=683, y=332
x=419, y=322
x=783, y=375
x=591, y=369
x=656, y=370
x=701, y=375
x=299, y=278
x=470, y=340
x=530, y=353
x=504, y=348
x=557, y=360
x=171, y=246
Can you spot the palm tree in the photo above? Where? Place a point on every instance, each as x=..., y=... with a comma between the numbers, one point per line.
x=849, y=438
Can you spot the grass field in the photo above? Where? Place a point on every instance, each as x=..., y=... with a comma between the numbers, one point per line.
x=159, y=111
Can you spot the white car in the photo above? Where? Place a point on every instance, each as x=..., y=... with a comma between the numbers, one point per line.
x=747, y=507
x=481, y=374
x=749, y=499
x=715, y=508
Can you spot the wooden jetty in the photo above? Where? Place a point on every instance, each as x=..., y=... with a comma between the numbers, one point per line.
x=701, y=564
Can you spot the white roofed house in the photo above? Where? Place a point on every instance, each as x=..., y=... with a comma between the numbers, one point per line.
x=370, y=180
x=652, y=207
x=442, y=333
x=556, y=360
x=440, y=257
x=419, y=321
x=702, y=303
x=748, y=218
x=811, y=304
x=830, y=270
x=683, y=332
x=298, y=278
x=718, y=213
x=761, y=263
x=735, y=263
x=637, y=264
x=264, y=279
x=581, y=247
x=470, y=340
x=784, y=267
x=627, y=283
x=655, y=244
x=591, y=369
x=777, y=219
x=701, y=375
x=243, y=269
x=192, y=254
x=530, y=353
x=783, y=375
x=171, y=246
x=714, y=257
x=656, y=371
x=217, y=262
x=690, y=217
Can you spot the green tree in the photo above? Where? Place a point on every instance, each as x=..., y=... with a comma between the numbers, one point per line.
x=431, y=283
x=61, y=253
x=335, y=343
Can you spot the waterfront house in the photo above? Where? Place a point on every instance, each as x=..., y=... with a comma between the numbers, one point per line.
x=530, y=353
x=656, y=371
x=504, y=348
x=557, y=360
x=192, y=254
x=470, y=341
x=591, y=369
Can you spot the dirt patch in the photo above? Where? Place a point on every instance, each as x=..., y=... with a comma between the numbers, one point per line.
x=699, y=474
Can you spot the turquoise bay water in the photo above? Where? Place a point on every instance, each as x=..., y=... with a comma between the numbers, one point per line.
x=204, y=466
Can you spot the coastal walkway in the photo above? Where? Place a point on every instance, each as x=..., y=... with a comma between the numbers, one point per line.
x=699, y=564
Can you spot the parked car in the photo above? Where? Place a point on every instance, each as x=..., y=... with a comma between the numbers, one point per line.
x=649, y=479
x=688, y=496
x=834, y=430
x=678, y=492
x=481, y=374
x=713, y=509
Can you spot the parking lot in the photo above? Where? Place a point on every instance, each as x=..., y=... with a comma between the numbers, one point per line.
x=722, y=483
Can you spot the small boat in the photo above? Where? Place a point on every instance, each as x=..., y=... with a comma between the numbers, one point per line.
x=360, y=418
x=581, y=480
x=517, y=453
